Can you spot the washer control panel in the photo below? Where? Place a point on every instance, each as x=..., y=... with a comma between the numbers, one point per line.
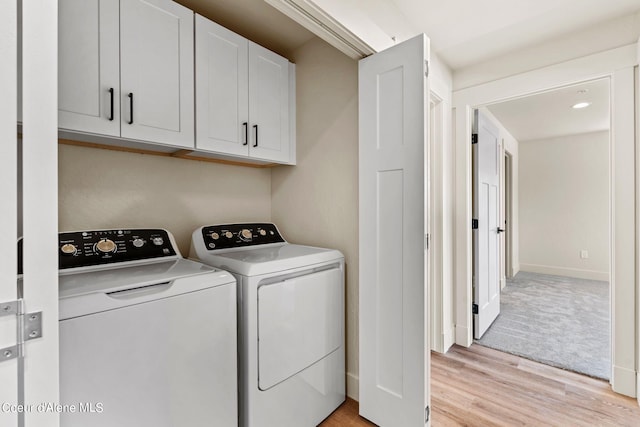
x=100, y=247
x=239, y=235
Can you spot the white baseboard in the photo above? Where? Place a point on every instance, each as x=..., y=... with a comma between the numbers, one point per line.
x=447, y=338
x=566, y=272
x=623, y=381
x=353, y=386
x=463, y=336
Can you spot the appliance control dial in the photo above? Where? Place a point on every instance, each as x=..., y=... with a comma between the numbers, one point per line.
x=263, y=232
x=69, y=249
x=228, y=234
x=106, y=246
x=245, y=234
x=158, y=241
x=138, y=243
x=215, y=236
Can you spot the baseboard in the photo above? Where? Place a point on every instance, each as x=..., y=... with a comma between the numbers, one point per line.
x=516, y=269
x=447, y=339
x=463, y=336
x=566, y=272
x=623, y=381
x=353, y=386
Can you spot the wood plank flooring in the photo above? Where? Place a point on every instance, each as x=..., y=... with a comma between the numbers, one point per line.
x=478, y=386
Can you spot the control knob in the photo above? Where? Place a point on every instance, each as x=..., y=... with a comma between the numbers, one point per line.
x=215, y=236
x=228, y=234
x=245, y=234
x=69, y=249
x=263, y=232
x=158, y=241
x=138, y=243
x=106, y=246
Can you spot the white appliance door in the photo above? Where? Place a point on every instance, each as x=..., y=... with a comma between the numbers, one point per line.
x=299, y=323
x=394, y=288
x=486, y=247
x=165, y=363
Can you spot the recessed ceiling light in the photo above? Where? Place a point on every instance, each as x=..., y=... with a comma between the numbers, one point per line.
x=581, y=105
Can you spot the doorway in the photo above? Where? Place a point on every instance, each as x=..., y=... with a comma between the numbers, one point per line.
x=555, y=307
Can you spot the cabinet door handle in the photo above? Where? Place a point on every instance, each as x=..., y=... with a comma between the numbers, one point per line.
x=246, y=133
x=111, y=95
x=255, y=127
x=130, y=108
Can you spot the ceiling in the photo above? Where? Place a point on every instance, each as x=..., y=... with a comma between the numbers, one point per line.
x=464, y=32
x=549, y=114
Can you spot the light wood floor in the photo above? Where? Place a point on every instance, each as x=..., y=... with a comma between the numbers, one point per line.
x=478, y=386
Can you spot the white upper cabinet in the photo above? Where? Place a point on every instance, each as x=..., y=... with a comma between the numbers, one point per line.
x=88, y=66
x=268, y=104
x=222, y=73
x=156, y=69
x=244, y=97
x=126, y=70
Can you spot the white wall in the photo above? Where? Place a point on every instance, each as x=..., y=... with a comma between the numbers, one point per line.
x=316, y=202
x=564, y=205
x=112, y=189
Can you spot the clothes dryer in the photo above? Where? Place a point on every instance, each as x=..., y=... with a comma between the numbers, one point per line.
x=290, y=322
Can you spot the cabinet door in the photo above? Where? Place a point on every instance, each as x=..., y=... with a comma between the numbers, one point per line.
x=268, y=105
x=88, y=72
x=156, y=69
x=222, y=82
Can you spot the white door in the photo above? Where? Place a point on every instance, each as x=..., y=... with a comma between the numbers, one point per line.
x=32, y=378
x=88, y=68
x=394, y=318
x=268, y=105
x=222, y=79
x=156, y=72
x=9, y=208
x=486, y=238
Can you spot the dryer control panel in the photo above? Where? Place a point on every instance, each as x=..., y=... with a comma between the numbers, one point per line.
x=101, y=247
x=229, y=236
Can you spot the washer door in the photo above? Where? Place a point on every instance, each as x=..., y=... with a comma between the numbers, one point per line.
x=300, y=321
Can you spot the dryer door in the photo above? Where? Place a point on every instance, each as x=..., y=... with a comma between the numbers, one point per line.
x=300, y=321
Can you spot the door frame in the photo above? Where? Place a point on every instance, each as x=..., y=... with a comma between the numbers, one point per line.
x=617, y=65
x=507, y=188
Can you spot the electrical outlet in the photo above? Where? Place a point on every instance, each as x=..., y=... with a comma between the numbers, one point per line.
x=584, y=254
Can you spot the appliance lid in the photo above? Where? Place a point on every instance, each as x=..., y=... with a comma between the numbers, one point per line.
x=87, y=293
x=272, y=258
x=119, y=279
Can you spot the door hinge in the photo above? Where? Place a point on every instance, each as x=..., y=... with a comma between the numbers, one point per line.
x=474, y=308
x=29, y=327
x=474, y=138
x=426, y=68
x=427, y=413
x=474, y=224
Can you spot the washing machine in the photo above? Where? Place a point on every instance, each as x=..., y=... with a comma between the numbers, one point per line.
x=290, y=322
x=147, y=338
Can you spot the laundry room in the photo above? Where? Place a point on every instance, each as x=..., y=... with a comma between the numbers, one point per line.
x=260, y=212
x=314, y=202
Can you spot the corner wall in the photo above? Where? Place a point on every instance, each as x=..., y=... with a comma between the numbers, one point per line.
x=316, y=202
